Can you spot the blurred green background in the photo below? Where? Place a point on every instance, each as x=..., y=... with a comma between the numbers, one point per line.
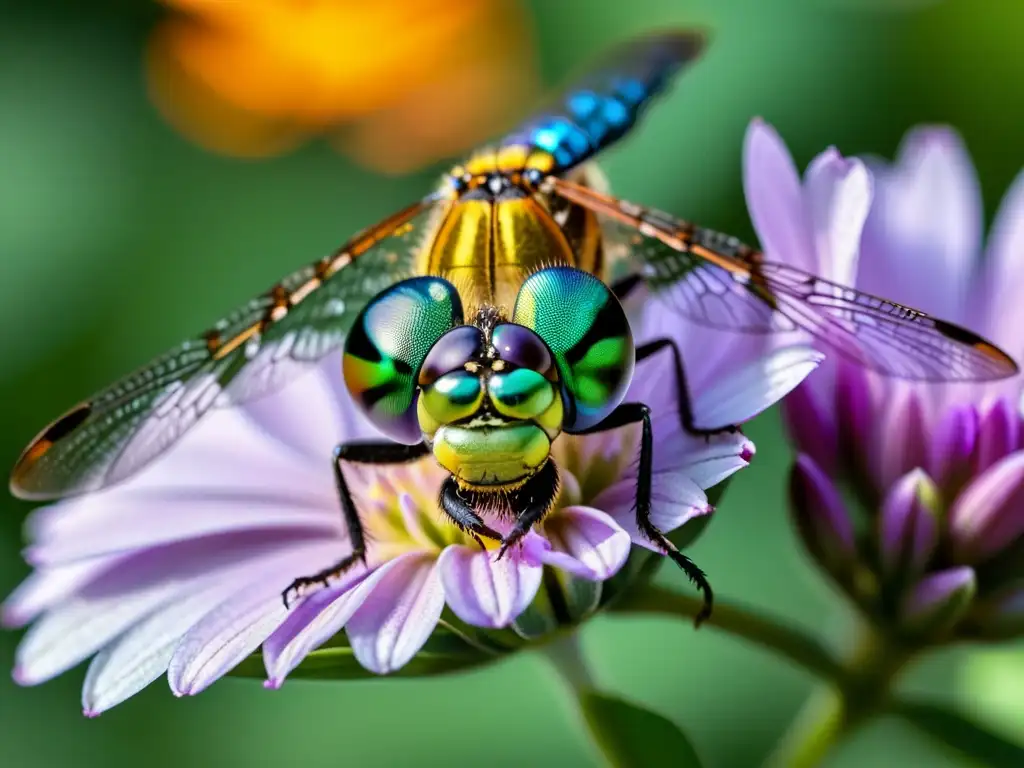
x=118, y=237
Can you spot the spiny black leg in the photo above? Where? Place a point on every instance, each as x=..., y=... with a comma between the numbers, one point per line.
x=682, y=390
x=357, y=453
x=462, y=513
x=531, y=503
x=631, y=413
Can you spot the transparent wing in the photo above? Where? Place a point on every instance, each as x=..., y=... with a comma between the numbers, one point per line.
x=266, y=342
x=717, y=281
x=601, y=106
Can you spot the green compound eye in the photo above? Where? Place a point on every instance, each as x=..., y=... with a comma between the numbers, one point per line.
x=387, y=345
x=585, y=328
x=452, y=397
x=521, y=394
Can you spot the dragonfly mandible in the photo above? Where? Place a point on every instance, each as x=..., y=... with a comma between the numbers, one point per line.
x=482, y=321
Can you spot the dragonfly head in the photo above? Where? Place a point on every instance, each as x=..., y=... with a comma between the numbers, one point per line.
x=490, y=403
x=490, y=396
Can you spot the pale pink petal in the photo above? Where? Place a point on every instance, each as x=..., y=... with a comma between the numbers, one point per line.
x=46, y=587
x=484, y=591
x=317, y=619
x=585, y=542
x=396, y=619
x=926, y=220
x=309, y=414
x=707, y=462
x=837, y=194
x=139, y=585
x=989, y=514
x=237, y=627
x=225, y=456
x=743, y=394
x=122, y=522
x=143, y=653
x=675, y=500
x=775, y=199
x=996, y=307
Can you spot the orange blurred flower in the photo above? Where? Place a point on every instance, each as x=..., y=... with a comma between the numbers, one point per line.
x=394, y=83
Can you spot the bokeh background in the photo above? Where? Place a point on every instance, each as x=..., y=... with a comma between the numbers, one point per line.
x=156, y=169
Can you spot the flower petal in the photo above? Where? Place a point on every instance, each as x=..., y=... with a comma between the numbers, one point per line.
x=745, y=393
x=909, y=526
x=989, y=514
x=485, y=592
x=926, y=220
x=811, y=426
x=709, y=462
x=236, y=627
x=837, y=193
x=821, y=517
x=905, y=446
x=316, y=620
x=998, y=434
x=288, y=415
x=396, y=619
x=124, y=595
x=585, y=542
x=775, y=199
x=675, y=500
x=46, y=587
x=144, y=652
x=123, y=522
x=939, y=600
x=996, y=308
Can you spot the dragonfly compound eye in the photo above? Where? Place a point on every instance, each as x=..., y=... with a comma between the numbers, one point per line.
x=583, y=325
x=387, y=345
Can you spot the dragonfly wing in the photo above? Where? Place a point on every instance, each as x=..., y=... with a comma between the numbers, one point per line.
x=717, y=281
x=249, y=353
x=601, y=106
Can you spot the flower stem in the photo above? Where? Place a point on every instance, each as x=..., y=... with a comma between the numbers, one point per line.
x=742, y=622
x=566, y=656
x=834, y=712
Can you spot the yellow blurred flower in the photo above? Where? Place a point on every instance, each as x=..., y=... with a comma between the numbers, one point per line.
x=394, y=83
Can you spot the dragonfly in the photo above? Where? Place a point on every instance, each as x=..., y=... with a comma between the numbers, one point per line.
x=482, y=321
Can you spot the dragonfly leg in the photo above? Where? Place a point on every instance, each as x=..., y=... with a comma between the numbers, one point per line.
x=356, y=453
x=531, y=504
x=682, y=390
x=632, y=413
x=462, y=513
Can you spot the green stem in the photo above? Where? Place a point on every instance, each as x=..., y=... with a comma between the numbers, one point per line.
x=832, y=713
x=566, y=656
x=741, y=622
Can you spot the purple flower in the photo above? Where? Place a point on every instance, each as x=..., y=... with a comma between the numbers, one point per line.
x=181, y=568
x=940, y=467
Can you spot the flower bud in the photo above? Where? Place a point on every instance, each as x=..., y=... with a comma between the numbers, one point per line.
x=821, y=517
x=908, y=527
x=938, y=601
x=988, y=515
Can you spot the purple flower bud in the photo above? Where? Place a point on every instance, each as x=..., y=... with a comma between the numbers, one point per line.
x=905, y=445
x=997, y=435
x=1000, y=616
x=908, y=526
x=988, y=515
x=821, y=517
x=952, y=446
x=812, y=427
x=938, y=601
x=855, y=413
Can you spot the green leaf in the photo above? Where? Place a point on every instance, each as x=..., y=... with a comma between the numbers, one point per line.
x=633, y=737
x=445, y=651
x=961, y=734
